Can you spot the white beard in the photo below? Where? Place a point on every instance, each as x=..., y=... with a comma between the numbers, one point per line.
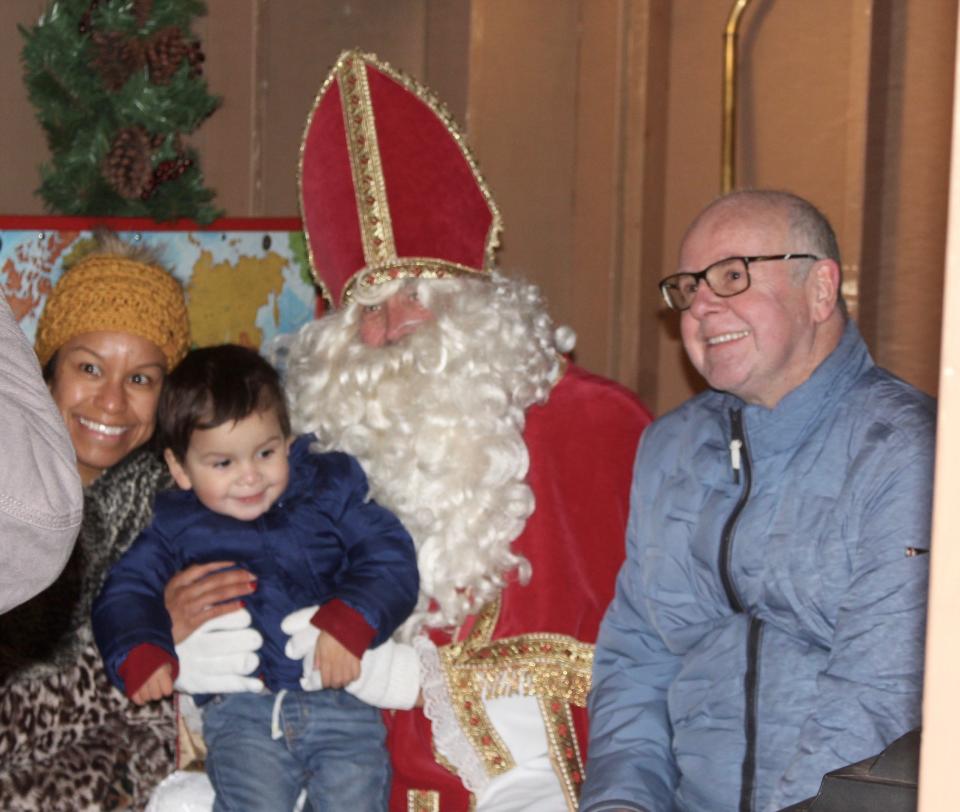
x=437, y=422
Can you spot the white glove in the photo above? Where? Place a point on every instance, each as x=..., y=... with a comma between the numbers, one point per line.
x=219, y=656
x=389, y=674
x=389, y=677
x=302, y=644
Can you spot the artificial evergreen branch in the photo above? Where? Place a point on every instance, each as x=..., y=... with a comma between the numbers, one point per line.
x=115, y=84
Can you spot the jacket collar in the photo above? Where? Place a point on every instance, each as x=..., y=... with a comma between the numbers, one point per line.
x=804, y=408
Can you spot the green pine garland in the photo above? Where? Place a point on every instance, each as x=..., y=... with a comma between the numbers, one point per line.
x=82, y=116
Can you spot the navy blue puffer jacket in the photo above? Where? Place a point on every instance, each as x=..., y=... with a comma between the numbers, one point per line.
x=321, y=540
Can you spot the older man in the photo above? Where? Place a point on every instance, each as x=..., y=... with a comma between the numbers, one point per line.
x=768, y=623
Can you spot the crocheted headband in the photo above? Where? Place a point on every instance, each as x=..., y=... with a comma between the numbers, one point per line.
x=388, y=188
x=115, y=294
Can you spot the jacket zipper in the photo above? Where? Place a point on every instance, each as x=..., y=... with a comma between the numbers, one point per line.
x=740, y=464
x=751, y=681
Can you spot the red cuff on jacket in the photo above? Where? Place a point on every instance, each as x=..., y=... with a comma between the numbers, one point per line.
x=140, y=665
x=346, y=624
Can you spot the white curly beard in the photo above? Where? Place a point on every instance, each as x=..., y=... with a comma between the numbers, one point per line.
x=437, y=422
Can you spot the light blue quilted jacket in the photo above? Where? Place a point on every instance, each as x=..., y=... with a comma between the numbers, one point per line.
x=768, y=623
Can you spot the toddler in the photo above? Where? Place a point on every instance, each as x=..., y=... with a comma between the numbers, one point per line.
x=251, y=494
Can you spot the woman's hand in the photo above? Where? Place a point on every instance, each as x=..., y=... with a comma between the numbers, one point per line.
x=199, y=593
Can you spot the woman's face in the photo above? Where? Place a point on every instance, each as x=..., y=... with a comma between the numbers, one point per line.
x=106, y=386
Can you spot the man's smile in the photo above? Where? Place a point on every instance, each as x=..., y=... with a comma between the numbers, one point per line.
x=723, y=338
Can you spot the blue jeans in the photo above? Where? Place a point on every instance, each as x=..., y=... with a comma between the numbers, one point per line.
x=332, y=743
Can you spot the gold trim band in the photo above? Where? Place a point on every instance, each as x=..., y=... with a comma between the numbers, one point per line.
x=408, y=268
x=373, y=211
x=564, y=747
x=423, y=800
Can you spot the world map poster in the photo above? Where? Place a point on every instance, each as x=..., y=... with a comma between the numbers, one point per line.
x=247, y=281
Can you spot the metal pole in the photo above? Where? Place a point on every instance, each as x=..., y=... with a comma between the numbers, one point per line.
x=729, y=144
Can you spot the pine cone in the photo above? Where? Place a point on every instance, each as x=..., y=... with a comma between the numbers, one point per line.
x=165, y=51
x=127, y=166
x=117, y=57
x=142, y=9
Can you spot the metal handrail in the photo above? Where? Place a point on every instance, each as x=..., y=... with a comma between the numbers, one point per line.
x=729, y=143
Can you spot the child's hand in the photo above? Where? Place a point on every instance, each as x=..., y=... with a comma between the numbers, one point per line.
x=337, y=666
x=157, y=686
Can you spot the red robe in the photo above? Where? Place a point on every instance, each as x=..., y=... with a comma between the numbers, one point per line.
x=582, y=444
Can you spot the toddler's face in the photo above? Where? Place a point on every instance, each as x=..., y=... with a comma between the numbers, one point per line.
x=236, y=469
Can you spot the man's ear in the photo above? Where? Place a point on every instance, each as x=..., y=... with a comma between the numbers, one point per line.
x=176, y=470
x=824, y=289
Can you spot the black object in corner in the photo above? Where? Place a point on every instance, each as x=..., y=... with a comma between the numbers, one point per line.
x=883, y=783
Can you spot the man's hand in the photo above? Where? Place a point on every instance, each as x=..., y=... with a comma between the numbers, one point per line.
x=336, y=664
x=219, y=656
x=158, y=685
x=200, y=593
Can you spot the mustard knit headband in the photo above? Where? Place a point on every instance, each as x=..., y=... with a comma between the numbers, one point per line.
x=115, y=294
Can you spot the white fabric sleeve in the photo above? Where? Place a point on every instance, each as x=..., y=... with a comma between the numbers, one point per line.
x=532, y=785
x=41, y=500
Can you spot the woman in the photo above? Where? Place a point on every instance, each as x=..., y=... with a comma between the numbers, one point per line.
x=113, y=326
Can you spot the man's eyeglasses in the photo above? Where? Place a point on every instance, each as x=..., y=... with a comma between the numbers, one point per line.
x=726, y=277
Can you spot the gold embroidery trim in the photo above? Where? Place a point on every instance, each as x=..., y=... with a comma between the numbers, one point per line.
x=544, y=665
x=564, y=747
x=530, y=665
x=406, y=268
x=423, y=800
x=373, y=210
x=485, y=623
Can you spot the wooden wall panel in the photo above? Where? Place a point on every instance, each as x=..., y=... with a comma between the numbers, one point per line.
x=559, y=119
x=905, y=200
x=227, y=141
x=644, y=253
x=301, y=40
x=22, y=140
x=522, y=125
x=597, y=123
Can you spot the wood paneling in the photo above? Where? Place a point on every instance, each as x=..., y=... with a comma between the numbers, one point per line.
x=597, y=124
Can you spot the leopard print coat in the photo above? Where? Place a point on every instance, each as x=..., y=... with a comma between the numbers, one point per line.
x=69, y=740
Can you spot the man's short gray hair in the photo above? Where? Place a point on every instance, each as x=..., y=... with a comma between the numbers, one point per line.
x=807, y=223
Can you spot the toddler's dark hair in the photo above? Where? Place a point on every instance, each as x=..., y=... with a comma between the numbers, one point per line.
x=212, y=386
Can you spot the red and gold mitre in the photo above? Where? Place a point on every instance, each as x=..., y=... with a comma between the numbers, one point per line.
x=388, y=187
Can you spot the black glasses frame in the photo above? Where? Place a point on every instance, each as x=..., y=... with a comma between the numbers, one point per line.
x=668, y=282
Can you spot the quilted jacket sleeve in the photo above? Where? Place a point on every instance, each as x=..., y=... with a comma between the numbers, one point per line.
x=380, y=580
x=129, y=611
x=41, y=501
x=631, y=765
